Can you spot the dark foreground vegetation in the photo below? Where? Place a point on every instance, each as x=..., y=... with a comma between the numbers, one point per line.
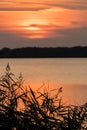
x=35, y=52
x=40, y=110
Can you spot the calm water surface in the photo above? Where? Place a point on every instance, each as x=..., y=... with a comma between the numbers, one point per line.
x=70, y=73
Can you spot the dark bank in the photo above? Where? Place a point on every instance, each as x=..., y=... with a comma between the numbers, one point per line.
x=37, y=52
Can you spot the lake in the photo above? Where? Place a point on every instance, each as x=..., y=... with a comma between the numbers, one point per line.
x=69, y=73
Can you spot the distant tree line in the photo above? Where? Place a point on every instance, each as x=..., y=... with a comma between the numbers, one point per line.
x=38, y=52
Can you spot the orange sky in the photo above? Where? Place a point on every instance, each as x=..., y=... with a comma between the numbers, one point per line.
x=41, y=20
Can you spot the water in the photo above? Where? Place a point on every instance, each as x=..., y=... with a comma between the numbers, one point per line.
x=70, y=73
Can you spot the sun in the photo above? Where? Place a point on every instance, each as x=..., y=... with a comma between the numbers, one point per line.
x=32, y=31
x=32, y=28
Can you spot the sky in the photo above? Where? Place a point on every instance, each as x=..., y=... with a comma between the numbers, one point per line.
x=43, y=23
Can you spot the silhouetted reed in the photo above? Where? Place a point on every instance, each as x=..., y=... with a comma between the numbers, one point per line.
x=41, y=111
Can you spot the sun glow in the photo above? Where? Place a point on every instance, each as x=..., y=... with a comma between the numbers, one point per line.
x=47, y=23
x=32, y=28
x=44, y=24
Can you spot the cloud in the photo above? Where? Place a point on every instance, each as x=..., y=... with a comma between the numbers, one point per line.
x=69, y=37
x=22, y=6
x=73, y=4
x=44, y=4
x=36, y=6
x=65, y=37
x=75, y=22
x=72, y=37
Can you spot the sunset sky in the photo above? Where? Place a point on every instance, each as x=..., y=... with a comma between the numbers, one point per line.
x=43, y=23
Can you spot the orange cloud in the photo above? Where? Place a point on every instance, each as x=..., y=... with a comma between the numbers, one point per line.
x=45, y=23
x=43, y=18
x=22, y=6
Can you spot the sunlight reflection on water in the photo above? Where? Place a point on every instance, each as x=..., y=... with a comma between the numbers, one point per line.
x=69, y=73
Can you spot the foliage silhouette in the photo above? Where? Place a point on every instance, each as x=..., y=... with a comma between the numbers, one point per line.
x=41, y=111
